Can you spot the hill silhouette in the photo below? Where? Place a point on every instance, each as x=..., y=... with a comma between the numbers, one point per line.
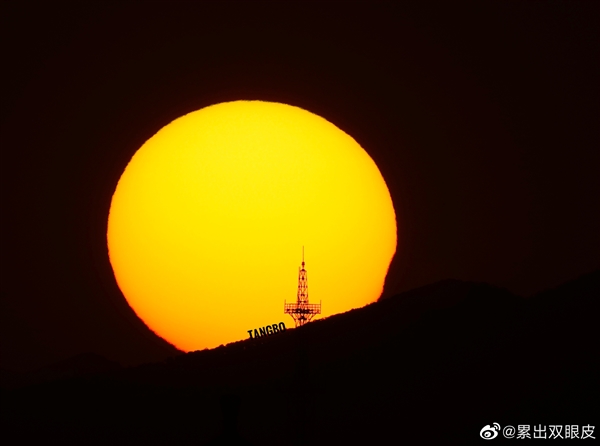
x=84, y=364
x=429, y=366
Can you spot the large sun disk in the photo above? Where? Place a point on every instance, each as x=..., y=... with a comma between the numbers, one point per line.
x=208, y=220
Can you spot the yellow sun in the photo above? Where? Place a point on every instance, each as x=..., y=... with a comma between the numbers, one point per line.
x=208, y=221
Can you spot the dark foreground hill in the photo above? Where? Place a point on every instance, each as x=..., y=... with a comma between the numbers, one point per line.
x=430, y=366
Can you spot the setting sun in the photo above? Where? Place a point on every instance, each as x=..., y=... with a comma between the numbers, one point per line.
x=208, y=221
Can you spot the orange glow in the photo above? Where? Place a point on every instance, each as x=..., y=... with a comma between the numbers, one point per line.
x=207, y=222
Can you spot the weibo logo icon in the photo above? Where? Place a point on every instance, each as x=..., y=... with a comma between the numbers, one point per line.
x=489, y=432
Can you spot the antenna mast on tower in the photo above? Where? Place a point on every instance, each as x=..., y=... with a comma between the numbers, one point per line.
x=302, y=311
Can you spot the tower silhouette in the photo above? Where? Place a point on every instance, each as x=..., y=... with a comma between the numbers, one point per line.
x=302, y=311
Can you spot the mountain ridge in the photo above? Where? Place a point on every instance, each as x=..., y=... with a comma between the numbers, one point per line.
x=445, y=367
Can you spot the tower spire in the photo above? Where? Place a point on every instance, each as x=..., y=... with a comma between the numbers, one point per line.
x=302, y=311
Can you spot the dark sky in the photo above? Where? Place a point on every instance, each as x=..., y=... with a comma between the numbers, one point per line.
x=483, y=118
